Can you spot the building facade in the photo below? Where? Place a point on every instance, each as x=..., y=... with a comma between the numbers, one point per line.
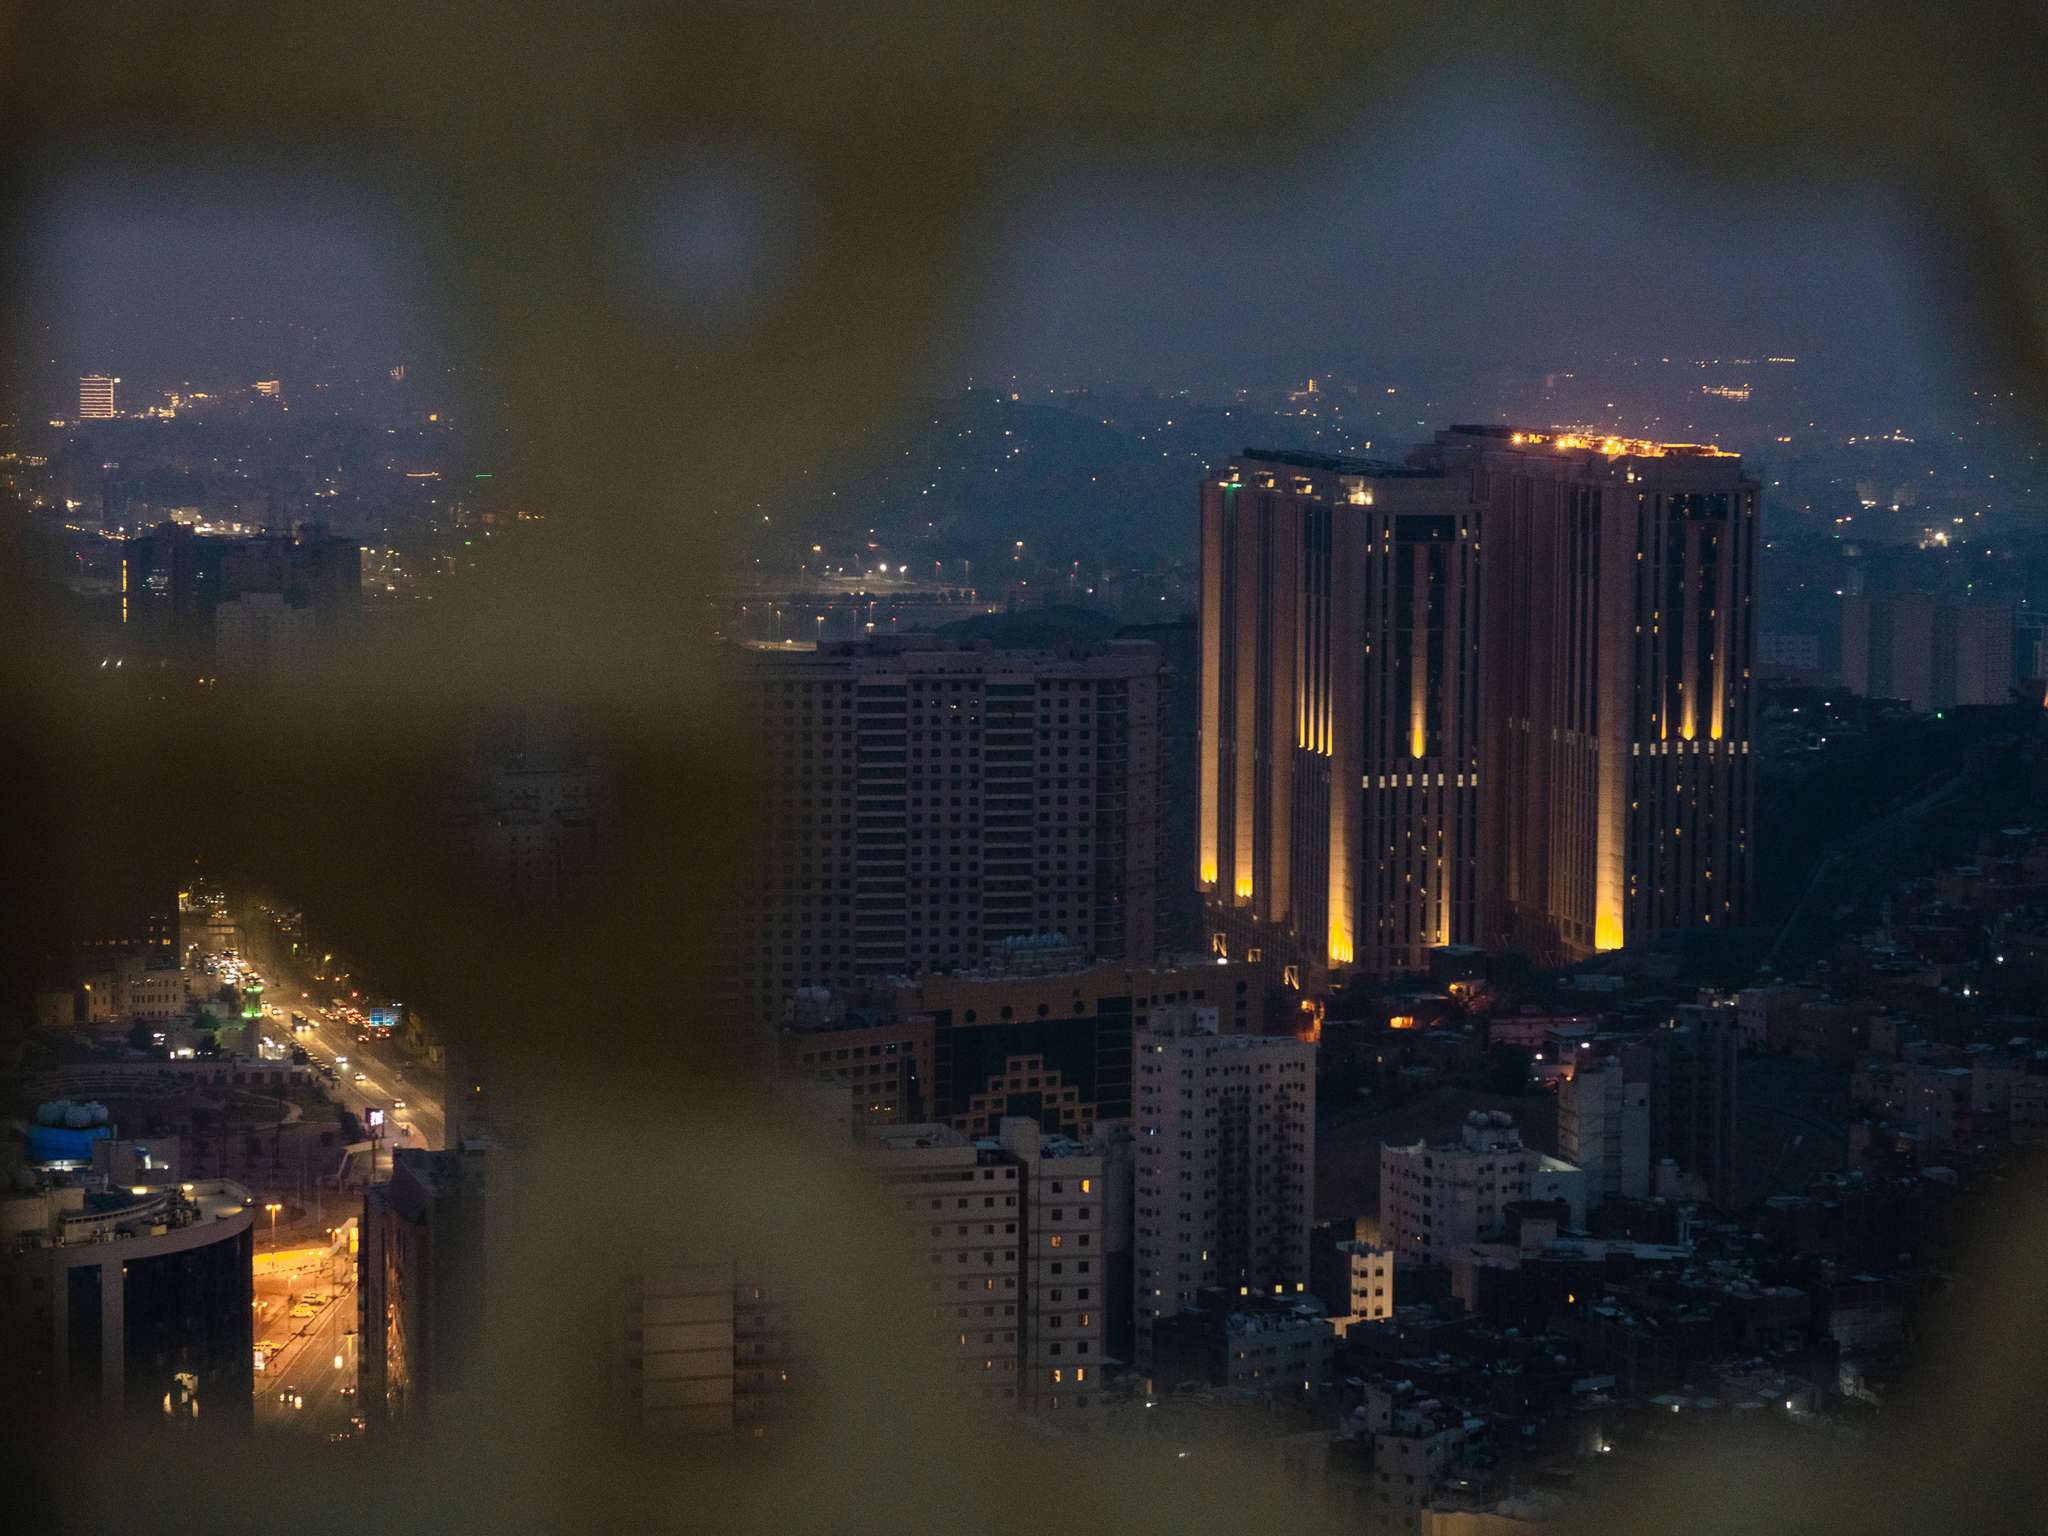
x=708, y=1349
x=1435, y=1200
x=1056, y=1047
x=1617, y=693
x=1603, y=1126
x=1355, y=1280
x=1933, y=653
x=1067, y=1299
x=1499, y=694
x=1340, y=616
x=96, y=402
x=421, y=1282
x=926, y=802
x=1225, y=1147
x=133, y=1303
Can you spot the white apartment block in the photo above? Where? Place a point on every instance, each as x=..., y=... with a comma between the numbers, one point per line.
x=1225, y=1136
x=1435, y=1200
x=1603, y=1126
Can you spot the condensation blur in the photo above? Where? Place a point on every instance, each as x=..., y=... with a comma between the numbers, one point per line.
x=511, y=144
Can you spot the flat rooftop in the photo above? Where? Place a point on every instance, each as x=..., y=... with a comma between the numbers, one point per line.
x=1342, y=464
x=1570, y=440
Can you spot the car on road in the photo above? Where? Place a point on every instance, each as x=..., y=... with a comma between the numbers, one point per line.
x=292, y=1397
x=362, y=1077
x=305, y=1310
x=398, y=1103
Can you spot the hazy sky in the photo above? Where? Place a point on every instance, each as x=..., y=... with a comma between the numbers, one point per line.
x=1483, y=225
x=200, y=277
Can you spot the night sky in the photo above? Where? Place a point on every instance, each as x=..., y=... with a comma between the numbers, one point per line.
x=1483, y=227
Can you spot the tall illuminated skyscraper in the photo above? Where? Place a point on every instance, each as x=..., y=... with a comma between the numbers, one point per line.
x=1499, y=694
x=1339, y=746
x=96, y=397
x=1616, y=691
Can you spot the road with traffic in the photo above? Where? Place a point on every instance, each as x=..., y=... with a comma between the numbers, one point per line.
x=376, y=1073
x=306, y=1315
x=308, y=1383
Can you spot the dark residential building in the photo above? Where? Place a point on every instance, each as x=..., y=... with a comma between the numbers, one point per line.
x=1931, y=652
x=1693, y=1097
x=1179, y=925
x=1056, y=1048
x=927, y=802
x=1264, y=1344
x=420, y=1281
x=175, y=581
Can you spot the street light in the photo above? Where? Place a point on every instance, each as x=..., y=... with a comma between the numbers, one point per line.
x=273, y=1208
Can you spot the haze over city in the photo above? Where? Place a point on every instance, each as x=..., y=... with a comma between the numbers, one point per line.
x=1347, y=834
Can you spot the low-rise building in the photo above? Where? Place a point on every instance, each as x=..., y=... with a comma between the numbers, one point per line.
x=1435, y=1200
x=1264, y=1344
x=1354, y=1280
x=132, y=1302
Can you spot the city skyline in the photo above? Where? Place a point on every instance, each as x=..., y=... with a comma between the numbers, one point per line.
x=1094, y=772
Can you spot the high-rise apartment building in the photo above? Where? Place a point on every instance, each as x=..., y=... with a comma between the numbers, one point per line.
x=1934, y=654
x=1340, y=633
x=421, y=1267
x=1435, y=1200
x=1603, y=1126
x=926, y=802
x=1617, y=785
x=1066, y=1272
x=96, y=397
x=1008, y=1243
x=1225, y=1177
x=1694, y=1094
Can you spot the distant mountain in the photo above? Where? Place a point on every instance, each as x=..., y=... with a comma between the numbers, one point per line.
x=1076, y=477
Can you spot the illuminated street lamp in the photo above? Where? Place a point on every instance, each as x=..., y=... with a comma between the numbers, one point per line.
x=273, y=1208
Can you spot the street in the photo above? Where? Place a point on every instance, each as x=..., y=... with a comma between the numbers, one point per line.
x=301, y=1262
x=315, y=1357
x=389, y=1075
